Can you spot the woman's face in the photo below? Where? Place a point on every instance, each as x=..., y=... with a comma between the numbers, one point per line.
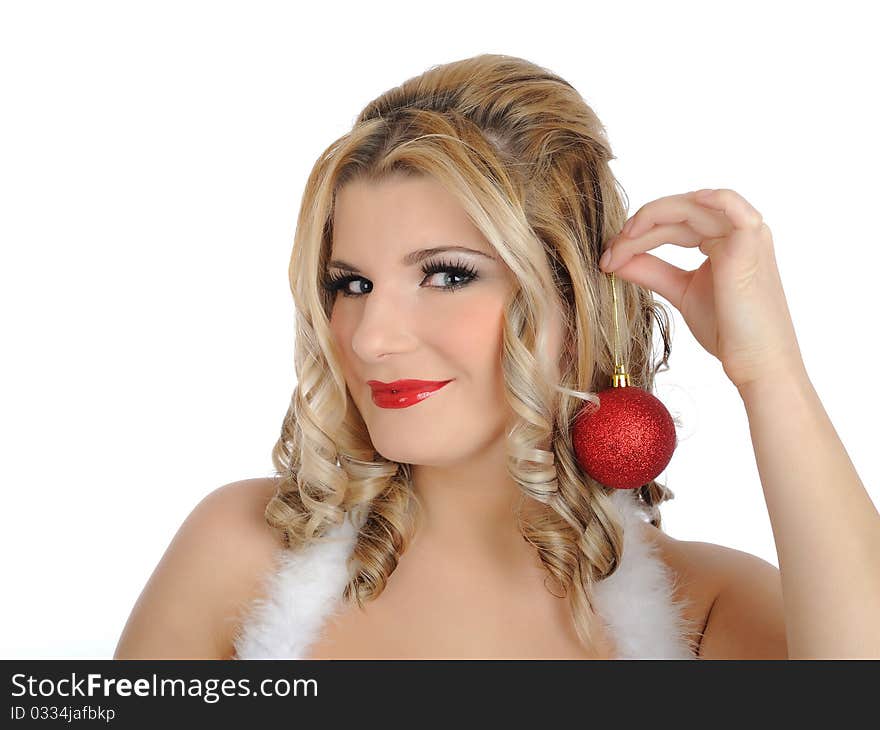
x=401, y=320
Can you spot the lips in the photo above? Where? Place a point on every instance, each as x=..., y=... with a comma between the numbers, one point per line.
x=404, y=393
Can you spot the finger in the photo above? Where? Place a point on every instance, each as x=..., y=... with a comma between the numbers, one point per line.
x=678, y=209
x=653, y=273
x=738, y=210
x=623, y=249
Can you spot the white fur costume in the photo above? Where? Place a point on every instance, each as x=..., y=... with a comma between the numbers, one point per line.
x=635, y=602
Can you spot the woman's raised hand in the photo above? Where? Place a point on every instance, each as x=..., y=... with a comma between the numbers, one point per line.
x=734, y=302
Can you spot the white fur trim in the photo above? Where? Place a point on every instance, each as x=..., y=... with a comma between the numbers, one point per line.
x=636, y=601
x=304, y=591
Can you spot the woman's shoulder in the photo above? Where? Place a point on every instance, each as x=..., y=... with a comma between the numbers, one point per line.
x=735, y=596
x=694, y=565
x=703, y=564
x=245, y=502
x=231, y=519
x=213, y=569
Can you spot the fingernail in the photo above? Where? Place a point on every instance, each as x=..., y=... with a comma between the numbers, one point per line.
x=605, y=261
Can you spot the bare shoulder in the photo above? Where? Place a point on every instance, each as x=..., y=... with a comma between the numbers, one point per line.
x=211, y=571
x=735, y=595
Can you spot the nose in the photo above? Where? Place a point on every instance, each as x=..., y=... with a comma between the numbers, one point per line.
x=385, y=326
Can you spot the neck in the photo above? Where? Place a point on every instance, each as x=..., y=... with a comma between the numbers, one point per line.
x=468, y=511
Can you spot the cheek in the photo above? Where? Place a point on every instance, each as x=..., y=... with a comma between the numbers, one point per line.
x=477, y=338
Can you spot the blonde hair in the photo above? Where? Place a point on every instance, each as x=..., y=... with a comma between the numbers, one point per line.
x=528, y=160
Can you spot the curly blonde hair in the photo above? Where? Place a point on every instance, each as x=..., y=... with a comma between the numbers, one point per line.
x=528, y=160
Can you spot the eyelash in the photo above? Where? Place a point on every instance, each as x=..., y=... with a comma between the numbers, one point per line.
x=339, y=282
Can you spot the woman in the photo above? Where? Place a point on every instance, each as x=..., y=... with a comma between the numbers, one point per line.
x=452, y=317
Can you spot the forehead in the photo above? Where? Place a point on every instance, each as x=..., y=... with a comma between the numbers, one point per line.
x=400, y=214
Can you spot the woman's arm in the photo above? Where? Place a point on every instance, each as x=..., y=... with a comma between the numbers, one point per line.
x=826, y=528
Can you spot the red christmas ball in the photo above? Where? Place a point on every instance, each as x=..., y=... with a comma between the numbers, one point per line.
x=627, y=440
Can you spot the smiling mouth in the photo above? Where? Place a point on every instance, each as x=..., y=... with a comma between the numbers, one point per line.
x=404, y=397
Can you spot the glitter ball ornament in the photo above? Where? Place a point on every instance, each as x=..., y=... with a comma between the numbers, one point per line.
x=627, y=440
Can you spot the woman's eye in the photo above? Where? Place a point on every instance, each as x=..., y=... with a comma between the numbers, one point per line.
x=454, y=276
x=447, y=277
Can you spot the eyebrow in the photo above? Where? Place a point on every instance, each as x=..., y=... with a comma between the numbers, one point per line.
x=414, y=257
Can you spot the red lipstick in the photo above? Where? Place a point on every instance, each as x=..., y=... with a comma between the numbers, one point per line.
x=403, y=393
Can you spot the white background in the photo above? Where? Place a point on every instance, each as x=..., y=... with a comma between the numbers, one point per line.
x=152, y=159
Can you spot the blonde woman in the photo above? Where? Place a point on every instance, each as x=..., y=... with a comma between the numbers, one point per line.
x=452, y=319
